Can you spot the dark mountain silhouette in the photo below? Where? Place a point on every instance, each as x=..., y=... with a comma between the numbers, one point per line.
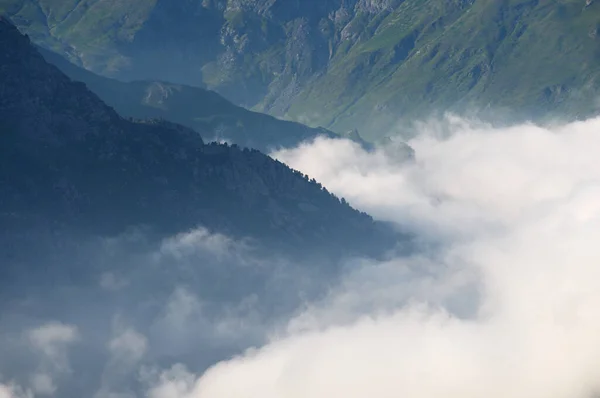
x=69, y=161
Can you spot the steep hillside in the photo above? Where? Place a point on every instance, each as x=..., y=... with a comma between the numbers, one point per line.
x=365, y=64
x=67, y=160
x=197, y=108
x=527, y=59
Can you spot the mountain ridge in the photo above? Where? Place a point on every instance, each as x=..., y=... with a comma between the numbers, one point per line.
x=69, y=160
x=196, y=108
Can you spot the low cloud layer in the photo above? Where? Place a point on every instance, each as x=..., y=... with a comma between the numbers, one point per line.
x=103, y=317
x=510, y=217
x=499, y=297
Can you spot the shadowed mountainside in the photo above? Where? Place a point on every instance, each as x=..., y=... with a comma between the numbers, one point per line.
x=67, y=160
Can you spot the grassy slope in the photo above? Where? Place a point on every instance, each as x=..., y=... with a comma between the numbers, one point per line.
x=533, y=56
x=530, y=56
x=89, y=29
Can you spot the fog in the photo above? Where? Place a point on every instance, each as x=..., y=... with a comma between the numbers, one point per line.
x=498, y=298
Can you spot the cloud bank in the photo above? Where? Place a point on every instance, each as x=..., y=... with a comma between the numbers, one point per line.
x=499, y=297
x=509, y=218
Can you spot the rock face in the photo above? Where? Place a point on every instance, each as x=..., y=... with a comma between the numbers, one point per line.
x=67, y=160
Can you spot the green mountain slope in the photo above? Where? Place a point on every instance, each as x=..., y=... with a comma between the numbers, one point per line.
x=203, y=110
x=366, y=64
x=531, y=58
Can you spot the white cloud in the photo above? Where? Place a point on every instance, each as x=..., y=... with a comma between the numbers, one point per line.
x=5, y=392
x=51, y=335
x=465, y=173
x=127, y=349
x=42, y=384
x=182, y=308
x=52, y=340
x=186, y=319
x=514, y=212
x=199, y=240
x=111, y=281
x=112, y=394
x=177, y=382
x=500, y=300
x=14, y=391
x=128, y=346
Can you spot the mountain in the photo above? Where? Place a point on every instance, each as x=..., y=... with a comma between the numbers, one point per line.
x=341, y=64
x=69, y=161
x=196, y=108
